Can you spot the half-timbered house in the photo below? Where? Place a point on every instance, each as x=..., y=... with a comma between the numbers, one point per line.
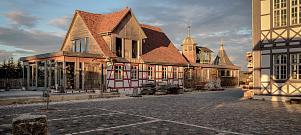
x=276, y=47
x=110, y=52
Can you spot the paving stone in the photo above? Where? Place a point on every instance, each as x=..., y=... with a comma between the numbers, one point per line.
x=90, y=123
x=157, y=128
x=222, y=110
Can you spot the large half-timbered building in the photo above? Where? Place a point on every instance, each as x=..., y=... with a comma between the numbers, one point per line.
x=277, y=47
x=111, y=52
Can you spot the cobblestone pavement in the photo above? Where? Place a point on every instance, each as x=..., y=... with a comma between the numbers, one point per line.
x=221, y=112
x=19, y=93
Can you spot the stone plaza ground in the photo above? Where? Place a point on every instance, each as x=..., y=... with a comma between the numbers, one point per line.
x=222, y=112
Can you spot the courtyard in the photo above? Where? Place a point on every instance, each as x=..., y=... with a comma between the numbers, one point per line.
x=220, y=112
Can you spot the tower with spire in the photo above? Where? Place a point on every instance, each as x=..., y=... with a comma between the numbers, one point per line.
x=189, y=47
x=222, y=58
x=203, y=69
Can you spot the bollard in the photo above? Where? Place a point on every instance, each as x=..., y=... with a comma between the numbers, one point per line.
x=30, y=125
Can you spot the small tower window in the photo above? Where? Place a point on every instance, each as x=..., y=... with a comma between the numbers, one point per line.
x=190, y=48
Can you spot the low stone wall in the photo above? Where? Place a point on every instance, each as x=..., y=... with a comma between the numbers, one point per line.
x=55, y=98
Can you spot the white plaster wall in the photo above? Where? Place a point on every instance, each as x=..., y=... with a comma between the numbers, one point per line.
x=267, y=87
x=275, y=89
x=292, y=88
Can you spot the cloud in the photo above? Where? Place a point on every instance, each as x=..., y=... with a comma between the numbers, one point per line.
x=210, y=21
x=4, y=55
x=21, y=19
x=7, y=51
x=61, y=22
x=30, y=39
x=244, y=31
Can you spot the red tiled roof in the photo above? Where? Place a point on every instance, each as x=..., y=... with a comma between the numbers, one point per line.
x=99, y=23
x=104, y=22
x=157, y=48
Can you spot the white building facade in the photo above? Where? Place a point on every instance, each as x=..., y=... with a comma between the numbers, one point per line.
x=276, y=26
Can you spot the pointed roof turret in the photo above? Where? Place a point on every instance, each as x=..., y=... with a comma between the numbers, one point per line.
x=222, y=58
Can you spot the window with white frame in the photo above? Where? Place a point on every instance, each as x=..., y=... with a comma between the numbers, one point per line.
x=80, y=45
x=150, y=73
x=134, y=71
x=280, y=13
x=296, y=66
x=295, y=12
x=119, y=72
x=164, y=73
x=175, y=73
x=280, y=67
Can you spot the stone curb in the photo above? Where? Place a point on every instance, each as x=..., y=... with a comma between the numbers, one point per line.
x=55, y=98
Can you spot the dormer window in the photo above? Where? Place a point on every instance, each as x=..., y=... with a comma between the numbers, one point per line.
x=80, y=45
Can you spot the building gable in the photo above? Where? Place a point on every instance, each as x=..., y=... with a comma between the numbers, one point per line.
x=79, y=30
x=129, y=28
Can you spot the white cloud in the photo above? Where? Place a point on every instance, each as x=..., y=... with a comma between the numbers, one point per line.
x=21, y=19
x=61, y=22
x=30, y=39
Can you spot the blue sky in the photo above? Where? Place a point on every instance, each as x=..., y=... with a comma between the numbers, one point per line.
x=29, y=27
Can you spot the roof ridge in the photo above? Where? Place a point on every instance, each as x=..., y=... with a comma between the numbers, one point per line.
x=152, y=27
x=122, y=10
x=119, y=11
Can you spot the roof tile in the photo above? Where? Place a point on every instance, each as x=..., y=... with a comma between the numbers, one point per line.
x=158, y=48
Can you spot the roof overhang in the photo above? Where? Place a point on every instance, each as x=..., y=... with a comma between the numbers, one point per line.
x=62, y=53
x=215, y=66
